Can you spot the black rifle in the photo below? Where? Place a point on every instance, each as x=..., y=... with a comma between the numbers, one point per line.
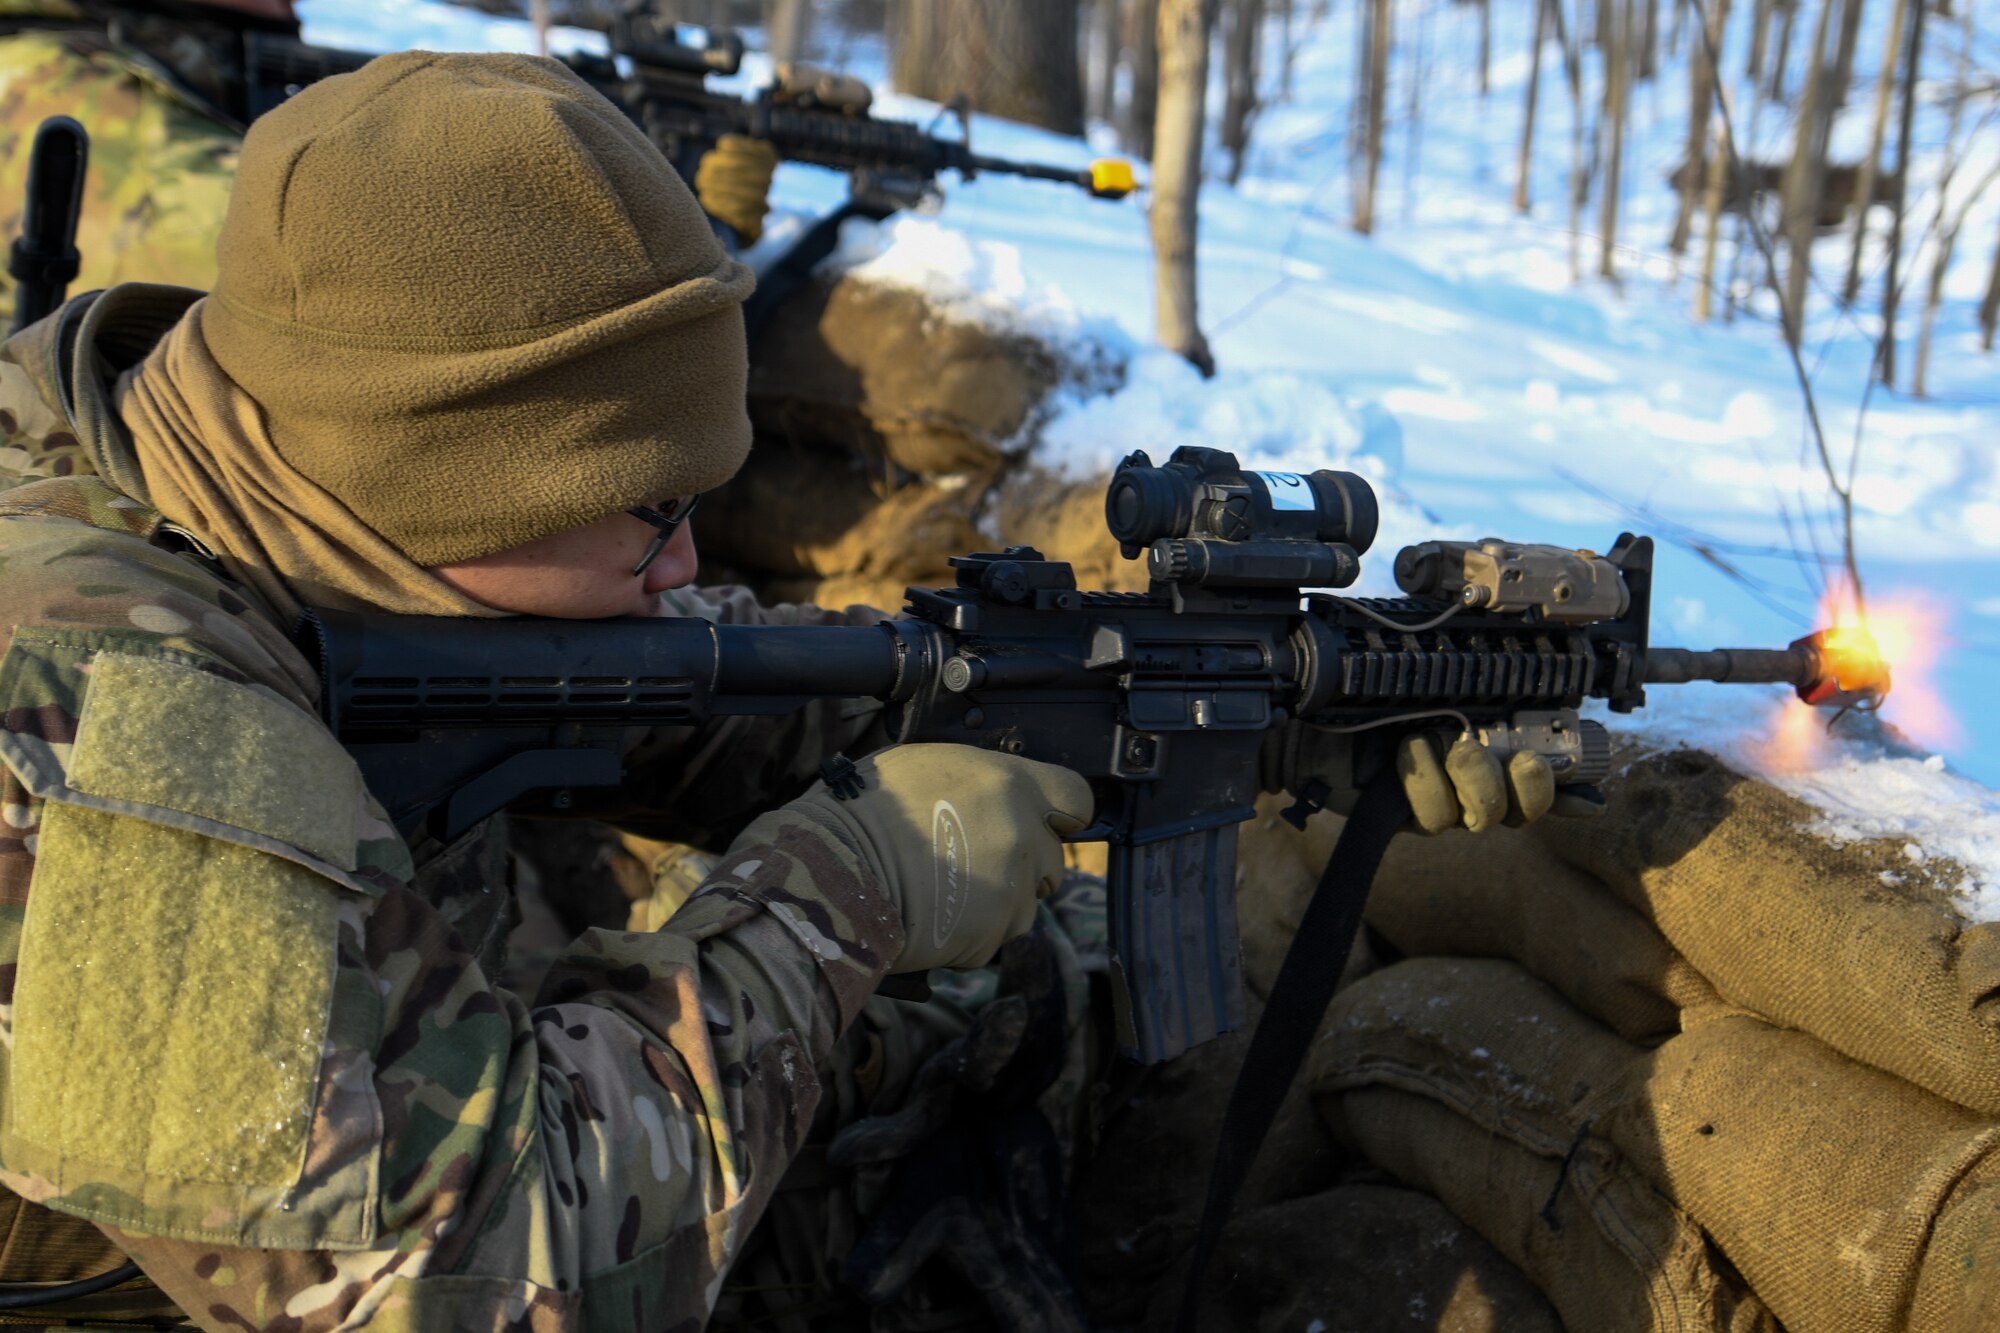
x=662, y=83
x=1161, y=698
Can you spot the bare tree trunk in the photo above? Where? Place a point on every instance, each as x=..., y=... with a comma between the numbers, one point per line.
x=1741, y=246
x=1989, y=305
x=1946, y=233
x=1843, y=60
x=1012, y=58
x=1704, y=77
x=1804, y=175
x=1617, y=82
x=538, y=16
x=1144, y=41
x=1485, y=47
x=1183, y=45
x=1579, y=173
x=1788, y=10
x=1718, y=180
x=1413, y=109
x=1885, y=359
x=916, y=42
x=1864, y=188
x=1649, y=42
x=1288, y=44
x=1760, y=37
x=788, y=26
x=1106, y=45
x=1521, y=168
x=1245, y=19
x=1678, y=29
x=1375, y=106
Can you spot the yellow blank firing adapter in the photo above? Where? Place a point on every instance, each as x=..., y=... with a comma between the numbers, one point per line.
x=1111, y=178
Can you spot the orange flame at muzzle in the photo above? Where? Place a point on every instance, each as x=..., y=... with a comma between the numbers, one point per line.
x=1852, y=669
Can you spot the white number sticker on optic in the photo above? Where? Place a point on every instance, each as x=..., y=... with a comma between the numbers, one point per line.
x=1288, y=490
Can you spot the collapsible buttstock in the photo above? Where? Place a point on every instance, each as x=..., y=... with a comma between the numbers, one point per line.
x=1177, y=973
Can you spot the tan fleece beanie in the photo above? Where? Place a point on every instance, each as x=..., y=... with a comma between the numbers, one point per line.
x=476, y=305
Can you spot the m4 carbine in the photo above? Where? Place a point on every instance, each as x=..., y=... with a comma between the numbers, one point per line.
x=806, y=115
x=1161, y=699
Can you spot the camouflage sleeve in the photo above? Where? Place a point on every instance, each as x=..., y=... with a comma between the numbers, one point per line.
x=598, y=1159
x=235, y=1036
x=700, y=785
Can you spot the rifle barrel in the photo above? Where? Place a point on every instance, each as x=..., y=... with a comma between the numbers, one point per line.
x=1798, y=666
x=1033, y=170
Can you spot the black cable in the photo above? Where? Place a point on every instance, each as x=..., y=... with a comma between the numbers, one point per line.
x=17, y=1295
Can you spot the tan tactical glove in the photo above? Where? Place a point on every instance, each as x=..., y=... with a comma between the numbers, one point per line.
x=1450, y=783
x=733, y=183
x=965, y=841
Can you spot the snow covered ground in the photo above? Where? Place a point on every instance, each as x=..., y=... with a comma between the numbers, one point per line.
x=1451, y=359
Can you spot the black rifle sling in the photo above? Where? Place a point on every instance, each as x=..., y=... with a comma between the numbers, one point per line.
x=1292, y=1013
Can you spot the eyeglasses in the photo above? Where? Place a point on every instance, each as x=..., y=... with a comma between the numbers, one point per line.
x=666, y=518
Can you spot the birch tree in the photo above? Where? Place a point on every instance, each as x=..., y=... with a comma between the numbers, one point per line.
x=1885, y=358
x=1012, y=58
x=1371, y=100
x=1617, y=86
x=1240, y=51
x=1525, y=160
x=1183, y=45
x=1878, y=125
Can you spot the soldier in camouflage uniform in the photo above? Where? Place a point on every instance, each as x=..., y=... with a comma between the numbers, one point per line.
x=248, y=1030
x=163, y=142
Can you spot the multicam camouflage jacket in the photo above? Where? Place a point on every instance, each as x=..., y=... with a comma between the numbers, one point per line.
x=162, y=157
x=253, y=1034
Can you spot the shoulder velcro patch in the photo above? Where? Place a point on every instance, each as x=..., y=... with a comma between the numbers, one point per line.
x=177, y=956
x=157, y=733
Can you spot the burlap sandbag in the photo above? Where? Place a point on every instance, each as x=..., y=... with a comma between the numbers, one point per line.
x=1360, y=1259
x=1139, y=1199
x=788, y=505
x=882, y=371
x=1277, y=870
x=1820, y=1178
x=1859, y=945
x=1500, y=894
x=1958, y=1287
x=808, y=514
x=1063, y=518
x=1472, y=1081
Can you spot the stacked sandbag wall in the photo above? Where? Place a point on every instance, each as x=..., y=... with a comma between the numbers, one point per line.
x=1696, y=1064
x=894, y=432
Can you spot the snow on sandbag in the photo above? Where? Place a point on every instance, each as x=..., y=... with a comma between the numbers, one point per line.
x=890, y=371
x=1470, y=1080
x=1856, y=944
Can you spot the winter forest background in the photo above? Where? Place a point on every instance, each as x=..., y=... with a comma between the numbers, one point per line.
x=1724, y=271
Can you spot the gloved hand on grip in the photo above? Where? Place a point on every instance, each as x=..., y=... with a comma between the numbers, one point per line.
x=964, y=840
x=1451, y=782
x=733, y=182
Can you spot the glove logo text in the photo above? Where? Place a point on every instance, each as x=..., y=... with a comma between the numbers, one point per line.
x=948, y=860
